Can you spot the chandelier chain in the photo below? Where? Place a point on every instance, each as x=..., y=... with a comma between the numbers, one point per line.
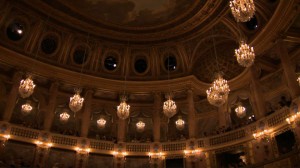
x=83, y=59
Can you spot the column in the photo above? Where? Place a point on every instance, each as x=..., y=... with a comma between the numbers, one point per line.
x=223, y=115
x=191, y=114
x=49, y=116
x=12, y=97
x=257, y=95
x=86, y=117
x=81, y=159
x=156, y=116
x=289, y=73
x=122, y=126
x=41, y=156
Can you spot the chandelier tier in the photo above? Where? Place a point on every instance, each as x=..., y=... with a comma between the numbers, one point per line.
x=180, y=124
x=26, y=87
x=26, y=108
x=64, y=117
x=140, y=126
x=76, y=101
x=217, y=94
x=123, y=109
x=245, y=55
x=242, y=10
x=240, y=110
x=169, y=108
x=101, y=122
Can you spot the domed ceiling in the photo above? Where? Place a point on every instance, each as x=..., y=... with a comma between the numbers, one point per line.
x=131, y=13
x=134, y=21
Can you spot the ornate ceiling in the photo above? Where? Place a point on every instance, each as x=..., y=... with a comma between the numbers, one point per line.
x=137, y=22
x=129, y=13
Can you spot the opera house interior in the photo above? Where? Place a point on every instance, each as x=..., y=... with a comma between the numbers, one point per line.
x=150, y=84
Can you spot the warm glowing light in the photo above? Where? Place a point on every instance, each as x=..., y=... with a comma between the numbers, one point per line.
x=263, y=135
x=101, y=122
x=140, y=126
x=64, y=117
x=123, y=109
x=76, y=101
x=242, y=10
x=217, y=94
x=293, y=119
x=298, y=80
x=245, y=55
x=180, y=123
x=39, y=143
x=169, y=108
x=26, y=108
x=7, y=136
x=26, y=87
x=240, y=111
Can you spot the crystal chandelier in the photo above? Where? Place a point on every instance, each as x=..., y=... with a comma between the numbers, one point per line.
x=169, y=107
x=26, y=87
x=64, y=117
x=240, y=110
x=217, y=94
x=242, y=10
x=180, y=123
x=26, y=108
x=245, y=55
x=140, y=126
x=101, y=123
x=123, y=109
x=76, y=101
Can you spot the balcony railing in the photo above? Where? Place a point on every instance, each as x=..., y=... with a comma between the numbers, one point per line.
x=274, y=121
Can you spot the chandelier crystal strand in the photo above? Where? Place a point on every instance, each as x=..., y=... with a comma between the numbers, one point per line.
x=240, y=110
x=242, y=10
x=64, y=117
x=169, y=107
x=101, y=122
x=123, y=109
x=217, y=94
x=26, y=108
x=140, y=126
x=245, y=55
x=76, y=101
x=26, y=87
x=180, y=124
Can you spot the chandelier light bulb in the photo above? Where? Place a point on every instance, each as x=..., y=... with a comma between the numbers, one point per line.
x=140, y=126
x=64, y=117
x=217, y=94
x=101, y=123
x=245, y=55
x=242, y=10
x=76, y=102
x=26, y=108
x=123, y=109
x=26, y=87
x=240, y=111
x=180, y=124
x=169, y=108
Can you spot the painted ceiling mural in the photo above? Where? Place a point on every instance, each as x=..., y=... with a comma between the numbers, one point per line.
x=132, y=13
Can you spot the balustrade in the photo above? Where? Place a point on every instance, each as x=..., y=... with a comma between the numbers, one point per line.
x=274, y=121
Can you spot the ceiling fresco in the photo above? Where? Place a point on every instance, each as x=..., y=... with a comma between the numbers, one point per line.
x=131, y=13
